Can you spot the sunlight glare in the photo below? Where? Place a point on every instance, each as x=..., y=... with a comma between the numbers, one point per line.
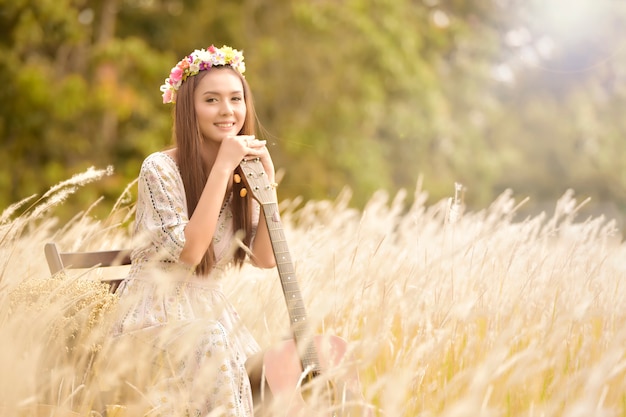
x=571, y=18
x=566, y=15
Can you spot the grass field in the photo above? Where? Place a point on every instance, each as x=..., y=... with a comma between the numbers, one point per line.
x=473, y=314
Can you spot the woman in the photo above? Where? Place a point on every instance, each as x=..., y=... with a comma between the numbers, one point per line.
x=192, y=224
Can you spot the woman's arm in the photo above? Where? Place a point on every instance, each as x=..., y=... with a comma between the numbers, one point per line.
x=202, y=224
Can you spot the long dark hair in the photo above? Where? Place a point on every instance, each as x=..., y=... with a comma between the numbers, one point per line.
x=188, y=140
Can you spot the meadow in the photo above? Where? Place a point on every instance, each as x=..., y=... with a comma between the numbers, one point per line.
x=446, y=312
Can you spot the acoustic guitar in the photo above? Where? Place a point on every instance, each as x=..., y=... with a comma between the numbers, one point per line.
x=310, y=374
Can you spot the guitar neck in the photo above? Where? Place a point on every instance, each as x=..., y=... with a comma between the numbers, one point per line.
x=290, y=286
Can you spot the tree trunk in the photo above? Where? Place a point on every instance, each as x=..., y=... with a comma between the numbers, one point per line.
x=106, y=75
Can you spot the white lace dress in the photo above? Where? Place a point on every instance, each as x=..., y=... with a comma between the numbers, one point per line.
x=185, y=317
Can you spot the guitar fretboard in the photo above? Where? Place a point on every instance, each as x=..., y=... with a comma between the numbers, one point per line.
x=291, y=288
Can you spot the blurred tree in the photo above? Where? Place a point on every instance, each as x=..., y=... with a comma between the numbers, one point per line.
x=76, y=96
x=360, y=93
x=560, y=108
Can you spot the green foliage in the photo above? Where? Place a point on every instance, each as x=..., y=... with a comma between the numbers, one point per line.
x=366, y=94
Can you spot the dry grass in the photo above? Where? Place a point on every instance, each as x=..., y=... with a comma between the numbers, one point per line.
x=481, y=316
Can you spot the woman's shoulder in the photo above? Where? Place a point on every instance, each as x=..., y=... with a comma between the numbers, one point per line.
x=160, y=159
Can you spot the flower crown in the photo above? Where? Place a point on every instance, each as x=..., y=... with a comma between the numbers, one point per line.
x=200, y=60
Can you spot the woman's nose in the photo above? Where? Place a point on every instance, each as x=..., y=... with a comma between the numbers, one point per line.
x=226, y=108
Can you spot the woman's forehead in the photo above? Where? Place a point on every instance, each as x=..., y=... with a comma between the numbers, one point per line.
x=220, y=80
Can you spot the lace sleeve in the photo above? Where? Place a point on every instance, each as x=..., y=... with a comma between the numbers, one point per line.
x=162, y=207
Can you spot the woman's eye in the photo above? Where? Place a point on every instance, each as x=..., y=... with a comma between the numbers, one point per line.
x=237, y=98
x=211, y=100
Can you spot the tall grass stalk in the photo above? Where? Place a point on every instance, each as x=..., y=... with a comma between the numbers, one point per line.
x=480, y=315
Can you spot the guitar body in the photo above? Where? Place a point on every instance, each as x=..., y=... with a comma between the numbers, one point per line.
x=336, y=392
x=283, y=368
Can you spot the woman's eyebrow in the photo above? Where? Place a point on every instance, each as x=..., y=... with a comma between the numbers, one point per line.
x=217, y=93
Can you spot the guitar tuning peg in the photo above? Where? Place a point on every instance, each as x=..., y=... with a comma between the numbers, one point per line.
x=237, y=178
x=243, y=192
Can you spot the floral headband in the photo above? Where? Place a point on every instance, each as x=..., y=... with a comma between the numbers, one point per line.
x=200, y=60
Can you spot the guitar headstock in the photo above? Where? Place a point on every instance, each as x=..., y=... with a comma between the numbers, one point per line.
x=256, y=181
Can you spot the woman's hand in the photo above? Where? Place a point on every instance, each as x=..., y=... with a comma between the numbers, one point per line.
x=234, y=149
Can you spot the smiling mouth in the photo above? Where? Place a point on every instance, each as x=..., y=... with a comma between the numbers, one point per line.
x=225, y=125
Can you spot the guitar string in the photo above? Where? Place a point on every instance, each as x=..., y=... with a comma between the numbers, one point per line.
x=290, y=288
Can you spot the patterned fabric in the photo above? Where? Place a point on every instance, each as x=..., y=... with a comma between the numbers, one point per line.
x=178, y=314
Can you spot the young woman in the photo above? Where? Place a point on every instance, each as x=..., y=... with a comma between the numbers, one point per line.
x=192, y=224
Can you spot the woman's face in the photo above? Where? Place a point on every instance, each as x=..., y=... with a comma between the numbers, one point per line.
x=219, y=103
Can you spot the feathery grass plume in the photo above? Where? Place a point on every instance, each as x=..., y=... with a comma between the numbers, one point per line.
x=80, y=179
x=125, y=199
x=565, y=211
x=7, y=227
x=10, y=230
x=59, y=192
x=9, y=211
x=55, y=196
x=455, y=205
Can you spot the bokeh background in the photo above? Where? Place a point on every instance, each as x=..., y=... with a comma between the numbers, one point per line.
x=527, y=95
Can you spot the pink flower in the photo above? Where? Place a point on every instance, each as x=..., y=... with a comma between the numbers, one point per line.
x=167, y=96
x=176, y=75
